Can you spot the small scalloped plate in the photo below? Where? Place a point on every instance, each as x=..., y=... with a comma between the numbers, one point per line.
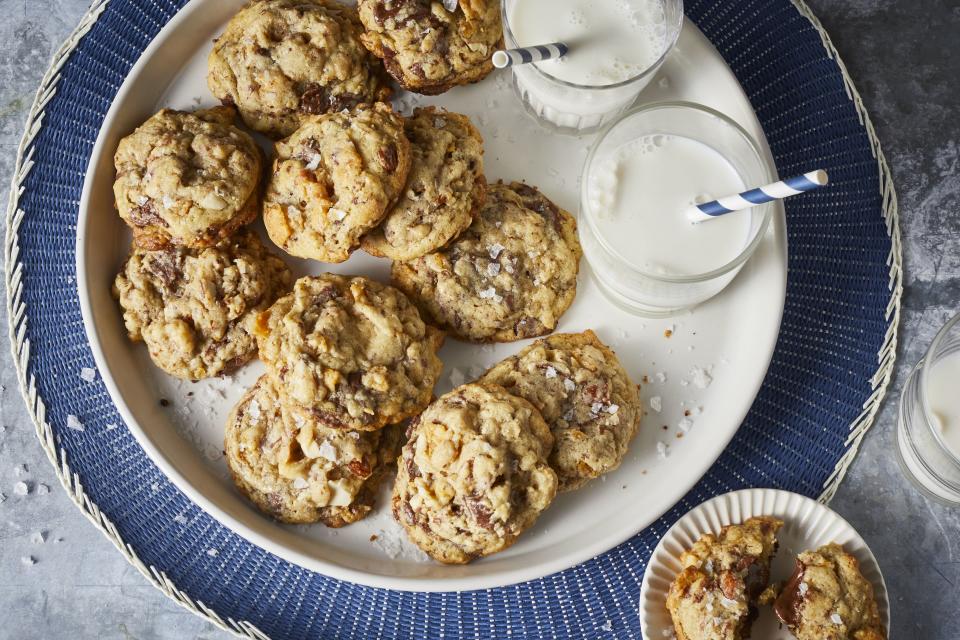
x=807, y=525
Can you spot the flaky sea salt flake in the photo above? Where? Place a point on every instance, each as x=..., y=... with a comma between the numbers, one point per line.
x=73, y=422
x=495, y=250
x=656, y=403
x=835, y=618
x=21, y=488
x=550, y=372
x=213, y=553
x=490, y=294
x=700, y=377
x=28, y=560
x=42, y=489
x=569, y=384
x=662, y=450
x=87, y=374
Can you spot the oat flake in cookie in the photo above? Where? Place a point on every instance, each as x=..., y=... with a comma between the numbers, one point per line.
x=333, y=479
x=335, y=179
x=715, y=595
x=279, y=61
x=473, y=475
x=509, y=276
x=586, y=397
x=196, y=308
x=350, y=352
x=187, y=179
x=827, y=598
x=444, y=190
x=428, y=49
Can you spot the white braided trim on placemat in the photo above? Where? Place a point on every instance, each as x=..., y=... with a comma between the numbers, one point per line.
x=17, y=316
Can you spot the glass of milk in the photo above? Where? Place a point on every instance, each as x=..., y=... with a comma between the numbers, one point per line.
x=616, y=48
x=642, y=174
x=928, y=431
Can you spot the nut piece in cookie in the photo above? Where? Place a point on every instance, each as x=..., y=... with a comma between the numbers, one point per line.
x=827, y=598
x=300, y=472
x=335, y=179
x=188, y=179
x=196, y=308
x=428, y=49
x=509, y=276
x=473, y=475
x=350, y=353
x=444, y=191
x=715, y=595
x=280, y=61
x=586, y=397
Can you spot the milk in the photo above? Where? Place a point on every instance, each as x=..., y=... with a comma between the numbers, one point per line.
x=639, y=193
x=610, y=40
x=616, y=46
x=943, y=398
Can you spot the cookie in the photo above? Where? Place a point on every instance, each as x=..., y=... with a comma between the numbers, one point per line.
x=351, y=352
x=428, y=49
x=196, y=308
x=302, y=472
x=188, y=179
x=587, y=399
x=827, y=598
x=715, y=595
x=334, y=179
x=509, y=276
x=473, y=475
x=444, y=190
x=281, y=61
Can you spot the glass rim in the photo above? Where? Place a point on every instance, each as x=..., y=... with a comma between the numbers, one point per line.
x=671, y=43
x=928, y=359
x=766, y=209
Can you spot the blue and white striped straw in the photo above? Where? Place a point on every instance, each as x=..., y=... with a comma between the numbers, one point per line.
x=776, y=191
x=526, y=55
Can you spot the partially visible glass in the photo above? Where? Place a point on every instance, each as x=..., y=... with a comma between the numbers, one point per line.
x=652, y=294
x=925, y=456
x=576, y=109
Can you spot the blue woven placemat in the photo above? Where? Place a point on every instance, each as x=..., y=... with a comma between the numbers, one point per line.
x=839, y=329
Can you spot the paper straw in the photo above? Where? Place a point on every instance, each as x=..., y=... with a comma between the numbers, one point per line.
x=526, y=55
x=450, y=5
x=776, y=191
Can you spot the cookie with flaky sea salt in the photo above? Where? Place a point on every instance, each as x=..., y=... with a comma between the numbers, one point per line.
x=335, y=179
x=428, y=49
x=444, y=190
x=827, y=598
x=715, y=595
x=586, y=397
x=350, y=352
x=473, y=475
x=196, y=308
x=187, y=179
x=300, y=472
x=280, y=61
x=509, y=276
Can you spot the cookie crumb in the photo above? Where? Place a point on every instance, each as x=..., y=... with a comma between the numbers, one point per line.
x=373, y=536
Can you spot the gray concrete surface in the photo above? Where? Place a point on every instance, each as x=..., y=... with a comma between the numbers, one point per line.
x=902, y=54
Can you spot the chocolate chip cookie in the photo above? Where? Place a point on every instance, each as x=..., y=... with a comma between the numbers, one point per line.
x=715, y=595
x=335, y=179
x=195, y=308
x=280, y=61
x=351, y=352
x=827, y=598
x=509, y=276
x=473, y=475
x=188, y=179
x=428, y=49
x=586, y=397
x=444, y=190
x=302, y=472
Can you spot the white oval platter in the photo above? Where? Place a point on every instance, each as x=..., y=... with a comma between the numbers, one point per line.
x=731, y=338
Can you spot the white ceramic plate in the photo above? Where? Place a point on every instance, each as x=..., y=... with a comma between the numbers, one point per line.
x=807, y=525
x=185, y=438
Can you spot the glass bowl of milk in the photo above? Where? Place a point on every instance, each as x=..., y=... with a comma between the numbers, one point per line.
x=616, y=48
x=928, y=430
x=640, y=178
